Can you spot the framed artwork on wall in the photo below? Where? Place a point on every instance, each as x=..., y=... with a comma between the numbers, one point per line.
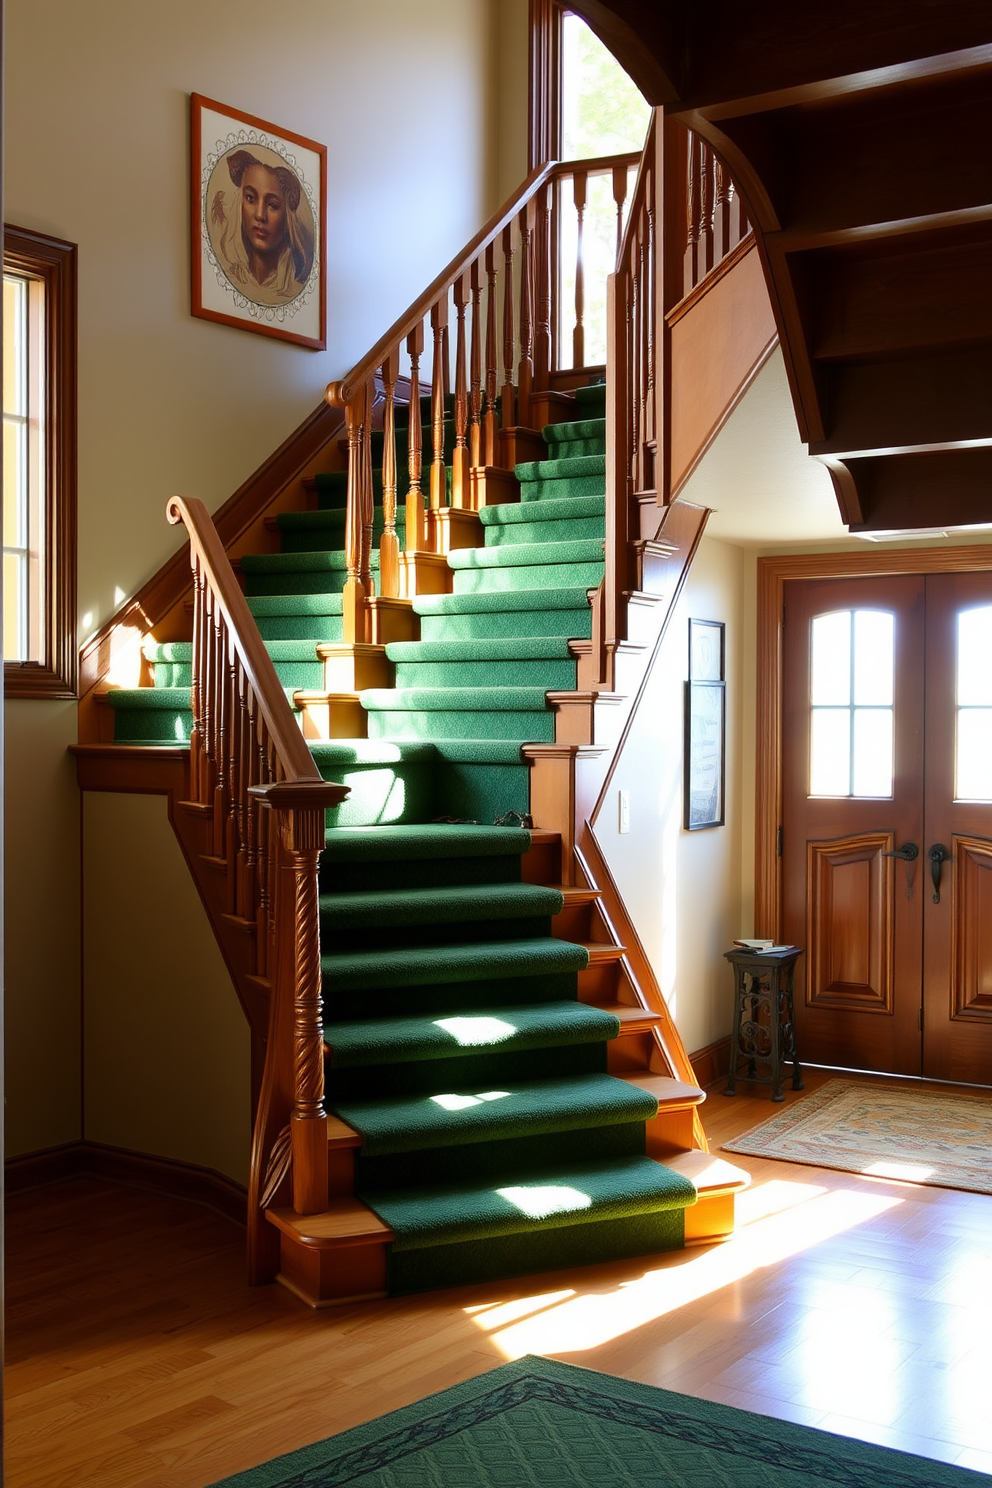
x=705, y=727
x=258, y=221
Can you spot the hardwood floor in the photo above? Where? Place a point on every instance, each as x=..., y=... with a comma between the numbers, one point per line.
x=138, y=1358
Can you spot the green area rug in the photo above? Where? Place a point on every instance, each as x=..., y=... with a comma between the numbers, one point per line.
x=541, y=1422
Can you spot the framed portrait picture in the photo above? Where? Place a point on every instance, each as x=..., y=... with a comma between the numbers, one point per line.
x=257, y=225
x=705, y=727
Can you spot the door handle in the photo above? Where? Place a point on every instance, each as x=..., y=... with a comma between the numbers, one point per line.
x=909, y=852
x=938, y=855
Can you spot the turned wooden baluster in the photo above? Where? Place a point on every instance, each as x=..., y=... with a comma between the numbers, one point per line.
x=248, y=885
x=692, y=211
x=724, y=188
x=579, y=182
x=197, y=758
x=460, y=481
x=219, y=680
x=416, y=527
x=389, y=546
x=234, y=827
x=620, y=174
x=367, y=507
x=651, y=310
x=353, y=595
x=542, y=288
x=489, y=423
x=507, y=395
x=475, y=387
x=525, y=367
x=439, y=329
x=707, y=225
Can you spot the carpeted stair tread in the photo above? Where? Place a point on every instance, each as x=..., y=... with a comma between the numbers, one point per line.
x=395, y=907
x=566, y=1195
x=526, y=555
x=530, y=1108
x=569, y=508
x=481, y=961
x=427, y=840
x=591, y=400
x=279, y=650
x=523, y=600
x=446, y=699
x=574, y=468
x=507, y=648
x=149, y=699
x=500, y=1030
x=330, y=752
x=588, y=428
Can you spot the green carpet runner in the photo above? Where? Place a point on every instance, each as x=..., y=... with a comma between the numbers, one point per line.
x=493, y=1139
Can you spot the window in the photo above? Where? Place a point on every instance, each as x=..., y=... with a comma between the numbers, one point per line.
x=39, y=466
x=582, y=102
x=973, y=753
x=851, y=695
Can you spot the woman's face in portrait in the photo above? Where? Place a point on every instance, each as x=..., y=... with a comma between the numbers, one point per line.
x=263, y=212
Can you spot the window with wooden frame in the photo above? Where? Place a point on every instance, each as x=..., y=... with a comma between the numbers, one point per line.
x=39, y=466
x=582, y=102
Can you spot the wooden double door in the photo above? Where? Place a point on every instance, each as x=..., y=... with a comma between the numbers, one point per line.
x=887, y=821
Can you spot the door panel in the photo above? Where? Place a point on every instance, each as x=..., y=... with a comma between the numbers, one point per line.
x=957, y=979
x=857, y=912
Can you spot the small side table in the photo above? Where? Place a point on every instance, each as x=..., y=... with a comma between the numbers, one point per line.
x=764, y=1017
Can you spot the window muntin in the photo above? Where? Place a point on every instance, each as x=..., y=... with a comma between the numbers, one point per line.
x=973, y=698
x=852, y=673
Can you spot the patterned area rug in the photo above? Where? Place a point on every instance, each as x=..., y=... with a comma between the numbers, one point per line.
x=538, y=1422
x=920, y=1136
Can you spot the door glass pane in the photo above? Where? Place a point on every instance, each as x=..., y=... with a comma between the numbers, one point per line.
x=830, y=680
x=852, y=669
x=830, y=752
x=874, y=633
x=872, y=752
x=973, y=762
x=974, y=656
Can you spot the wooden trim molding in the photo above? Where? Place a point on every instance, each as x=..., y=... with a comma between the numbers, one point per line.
x=773, y=574
x=53, y=263
x=163, y=1175
x=544, y=122
x=710, y=1065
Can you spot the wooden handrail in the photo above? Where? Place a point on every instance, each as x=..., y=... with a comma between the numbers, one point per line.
x=253, y=780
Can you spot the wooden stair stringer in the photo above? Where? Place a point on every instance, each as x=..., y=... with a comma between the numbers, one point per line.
x=570, y=779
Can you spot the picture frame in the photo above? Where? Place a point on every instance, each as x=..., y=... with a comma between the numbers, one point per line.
x=704, y=768
x=258, y=197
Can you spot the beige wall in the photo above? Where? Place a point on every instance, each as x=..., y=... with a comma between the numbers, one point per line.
x=97, y=151
x=683, y=889
x=41, y=909
x=166, y=1046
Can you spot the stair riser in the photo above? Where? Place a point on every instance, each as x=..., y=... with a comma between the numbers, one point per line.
x=425, y=873
x=300, y=628
x=507, y=625
x=341, y=1003
x=165, y=725
x=567, y=449
x=388, y=795
x=551, y=488
x=527, y=576
x=523, y=928
x=481, y=793
x=396, y=724
x=317, y=581
x=470, y=1072
x=551, y=675
x=330, y=538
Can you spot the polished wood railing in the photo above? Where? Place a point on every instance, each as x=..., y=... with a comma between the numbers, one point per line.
x=496, y=329
x=252, y=776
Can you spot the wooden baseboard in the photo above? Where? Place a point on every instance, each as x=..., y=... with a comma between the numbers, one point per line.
x=163, y=1175
x=710, y=1065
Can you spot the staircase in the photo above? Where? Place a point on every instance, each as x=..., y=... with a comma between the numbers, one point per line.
x=385, y=747
x=496, y=1103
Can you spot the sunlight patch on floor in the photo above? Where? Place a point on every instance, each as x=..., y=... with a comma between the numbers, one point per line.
x=585, y=1321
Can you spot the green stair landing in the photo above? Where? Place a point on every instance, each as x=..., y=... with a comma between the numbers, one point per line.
x=495, y=1105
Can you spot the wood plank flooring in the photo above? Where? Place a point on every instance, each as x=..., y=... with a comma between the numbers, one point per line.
x=138, y=1358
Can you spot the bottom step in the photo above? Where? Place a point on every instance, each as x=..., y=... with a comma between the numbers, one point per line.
x=343, y=1255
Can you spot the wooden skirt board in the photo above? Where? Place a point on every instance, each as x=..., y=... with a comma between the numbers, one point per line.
x=898, y=969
